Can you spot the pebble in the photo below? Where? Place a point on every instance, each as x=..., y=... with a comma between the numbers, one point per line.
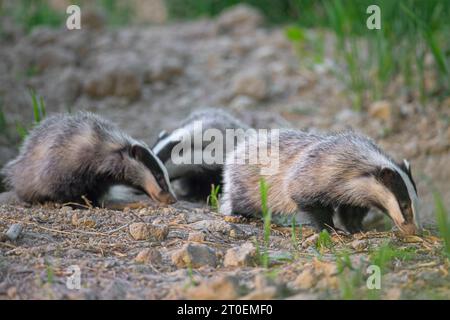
x=381, y=110
x=252, y=83
x=239, y=19
x=145, y=231
x=139, y=231
x=240, y=256
x=14, y=231
x=221, y=287
x=196, y=237
x=149, y=255
x=195, y=256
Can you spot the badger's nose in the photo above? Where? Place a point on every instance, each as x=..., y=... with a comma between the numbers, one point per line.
x=166, y=198
x=409, y=229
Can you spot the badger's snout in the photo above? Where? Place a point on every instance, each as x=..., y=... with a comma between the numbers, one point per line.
x=408, y=229
x=166, y=197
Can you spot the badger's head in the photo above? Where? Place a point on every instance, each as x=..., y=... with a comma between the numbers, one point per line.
x=144, y=171
x=400, y=201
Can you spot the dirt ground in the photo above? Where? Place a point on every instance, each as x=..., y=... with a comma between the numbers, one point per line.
x=147, y=79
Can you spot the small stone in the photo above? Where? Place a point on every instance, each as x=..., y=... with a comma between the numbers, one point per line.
x=242, y=102
x=116, y=74
x=240, y=256
x=149, y=255
x=233, y=219
x=382, y=110
x=195, y=256
x=196, y=237
x=306, y=279
x=221, y=227
x=221, y=287
x=359, y=245
x=266, y=293
x=394, y=294
x=157, y=232
x=163, y=69
x=252, y=83
x=14, y=231
x=239, y=19
x=139, y=231
x=53, y=57
x=86, y=222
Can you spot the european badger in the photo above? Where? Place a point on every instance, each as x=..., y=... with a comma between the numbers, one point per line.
x=194, y=180
x=319, y=174
x=68, y=157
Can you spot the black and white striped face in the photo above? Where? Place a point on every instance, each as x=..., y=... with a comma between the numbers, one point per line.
x=152, y=176
x=398, y=180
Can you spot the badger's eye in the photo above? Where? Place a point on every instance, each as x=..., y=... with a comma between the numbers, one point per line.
x=404, y=206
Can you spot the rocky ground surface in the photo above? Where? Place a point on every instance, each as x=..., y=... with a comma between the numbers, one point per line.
x=184, y=253
x=147, y=79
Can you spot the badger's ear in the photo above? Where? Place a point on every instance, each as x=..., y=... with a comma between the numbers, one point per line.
x=132, y=151
x=407, y=166
x=386, y=175
x=137, y=152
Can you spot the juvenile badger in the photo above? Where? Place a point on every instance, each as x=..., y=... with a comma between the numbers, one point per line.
x=320, y=174
x=193, y=180
x=67, y=157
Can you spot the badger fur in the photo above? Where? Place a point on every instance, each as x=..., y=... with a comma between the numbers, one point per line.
x=193, y=181
x=69, y=157
x=319, y=174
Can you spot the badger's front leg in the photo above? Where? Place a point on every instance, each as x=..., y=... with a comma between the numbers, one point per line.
x=352, y=217
x=321, y=216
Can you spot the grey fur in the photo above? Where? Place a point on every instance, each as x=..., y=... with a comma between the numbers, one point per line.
x=318, y=174
x=69, y=156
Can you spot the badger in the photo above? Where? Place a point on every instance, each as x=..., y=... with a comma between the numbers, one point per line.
x=71, y=158
x=192, y=181
x=322, y=174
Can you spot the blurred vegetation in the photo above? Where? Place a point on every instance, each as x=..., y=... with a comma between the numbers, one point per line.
x=33, y=13
x=409, y=56
x=412, y=32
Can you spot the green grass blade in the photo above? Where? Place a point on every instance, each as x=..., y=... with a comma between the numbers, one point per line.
x=442, y=221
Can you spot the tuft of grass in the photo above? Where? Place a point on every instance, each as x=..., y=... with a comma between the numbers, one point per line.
x=31, y=13
x=39, y=114
x=2, y=120
x=21, y=130
x=351, y=279
x=442, y=221
x=192, y=282
x=324, y=241
x=50, y=273
x=294, y=236
x=267, y=218
x=307, y=45
x=38, y=107
x=386, y=253
x=119, y=13
x=213, y=199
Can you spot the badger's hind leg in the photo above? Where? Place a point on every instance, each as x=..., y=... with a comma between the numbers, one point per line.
x=321, y=216
x=352, y=217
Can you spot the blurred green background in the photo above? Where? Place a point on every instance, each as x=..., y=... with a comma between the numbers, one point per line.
x=412, y=48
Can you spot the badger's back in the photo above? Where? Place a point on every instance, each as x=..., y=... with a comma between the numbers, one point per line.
x=242, y=181
x=63, y=150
